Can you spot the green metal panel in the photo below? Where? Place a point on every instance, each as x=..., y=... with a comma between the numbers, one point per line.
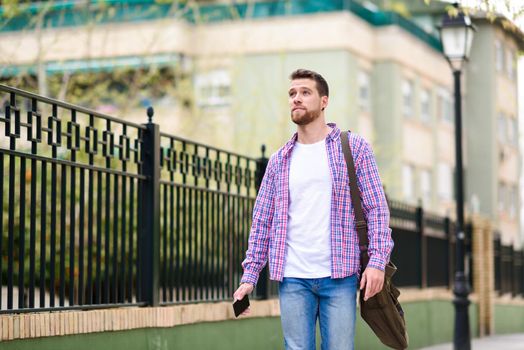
x=509, y=319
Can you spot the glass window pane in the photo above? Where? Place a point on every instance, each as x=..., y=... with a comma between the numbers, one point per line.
x=502, y=128
x=407, y=98
x=425, y=187
x=364, y=95
x=499, y=56
x=213, y=88
x=425, y=106
x=407, y=182
x=444, y=181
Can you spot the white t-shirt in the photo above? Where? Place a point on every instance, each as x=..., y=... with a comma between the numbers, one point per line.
x=308, y=240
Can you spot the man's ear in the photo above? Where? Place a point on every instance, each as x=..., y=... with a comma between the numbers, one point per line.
x=324, y=102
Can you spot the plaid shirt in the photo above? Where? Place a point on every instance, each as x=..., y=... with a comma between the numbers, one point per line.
x=270, y=213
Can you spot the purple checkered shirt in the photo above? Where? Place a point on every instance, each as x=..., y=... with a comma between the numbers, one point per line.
x=270, y=213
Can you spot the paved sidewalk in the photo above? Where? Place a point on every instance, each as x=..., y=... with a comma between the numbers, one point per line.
x=495, y=342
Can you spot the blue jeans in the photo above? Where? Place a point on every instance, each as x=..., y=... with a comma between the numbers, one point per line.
x=331, y=301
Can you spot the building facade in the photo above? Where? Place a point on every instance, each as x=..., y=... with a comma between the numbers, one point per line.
x=389, y=82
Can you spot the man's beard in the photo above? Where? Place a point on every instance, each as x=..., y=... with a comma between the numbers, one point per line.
x=305, y=118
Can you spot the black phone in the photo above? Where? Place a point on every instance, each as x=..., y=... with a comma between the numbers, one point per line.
x=240, y=306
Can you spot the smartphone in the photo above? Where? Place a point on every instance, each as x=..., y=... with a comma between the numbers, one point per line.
x=240, y=306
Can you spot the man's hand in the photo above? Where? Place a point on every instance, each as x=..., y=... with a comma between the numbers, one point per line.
x=373, y=280
x=245, y=288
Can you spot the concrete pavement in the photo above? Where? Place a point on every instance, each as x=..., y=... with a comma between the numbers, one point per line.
x=495, y=342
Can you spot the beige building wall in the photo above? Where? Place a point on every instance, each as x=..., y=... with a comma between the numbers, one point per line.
x=509, y=163
x=258, y=55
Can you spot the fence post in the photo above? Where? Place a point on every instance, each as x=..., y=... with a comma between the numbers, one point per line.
x=423, y=247
x=468, y=251
x=449, y=269
x=149, y=234
x=497, y=262
x=521, y=292
x=514, y=271
x=504, y=269
x=263, y=279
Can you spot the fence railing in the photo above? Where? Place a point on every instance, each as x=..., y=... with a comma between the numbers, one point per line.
x=424, y=247
x=509, y=268
x=206, y=199
x=70, y=184
x=99, y=212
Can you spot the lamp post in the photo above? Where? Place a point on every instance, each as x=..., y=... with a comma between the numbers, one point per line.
x=456, y=34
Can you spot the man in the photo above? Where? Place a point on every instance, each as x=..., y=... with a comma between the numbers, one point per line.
x=303, y=222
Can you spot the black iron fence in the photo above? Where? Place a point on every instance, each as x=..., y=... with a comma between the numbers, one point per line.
x=206, y=199
x=99, y=212
x=425, y=247
x=509, y=268
x=70, y=185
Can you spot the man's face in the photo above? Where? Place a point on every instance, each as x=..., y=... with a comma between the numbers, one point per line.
x=304, y=101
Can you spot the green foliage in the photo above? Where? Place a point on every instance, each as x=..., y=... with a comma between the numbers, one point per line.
x=122, y=88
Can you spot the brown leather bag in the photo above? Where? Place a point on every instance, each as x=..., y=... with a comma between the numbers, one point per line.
x=382, y=312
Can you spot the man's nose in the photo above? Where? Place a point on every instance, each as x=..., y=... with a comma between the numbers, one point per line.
x=297, y=99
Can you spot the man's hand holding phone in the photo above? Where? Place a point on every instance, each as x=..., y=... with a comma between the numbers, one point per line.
x=241, y=305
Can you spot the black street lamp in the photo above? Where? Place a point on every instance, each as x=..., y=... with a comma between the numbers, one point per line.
x=456, y=34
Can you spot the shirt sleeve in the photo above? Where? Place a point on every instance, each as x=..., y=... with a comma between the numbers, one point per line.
x=258, y=244
x=375, y=207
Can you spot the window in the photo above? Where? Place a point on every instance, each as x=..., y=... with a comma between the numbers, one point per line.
x=408, y=189
x=502, y=128
x=213, y=88
x=425, y=187
x=425, y=106
x=407, y=98
x=509, y=64
x=514, y=59
x=513, y=202
x=445, y=183
x=499, y=56
x=444, y=105
x=512, y=127
x=502, y=197
x=364, y=96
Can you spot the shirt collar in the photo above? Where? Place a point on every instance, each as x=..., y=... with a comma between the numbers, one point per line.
x=332, y=136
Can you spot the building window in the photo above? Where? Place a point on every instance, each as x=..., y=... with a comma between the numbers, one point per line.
x=513, y=202
x=509, y=64
x=425, y=106
x=444, y=105
x=425, y=187
x=514, y=59
x=445, y=181
x=502, y=128
x=364, y=87
x=408, y=188
x=407, y=98
x=502, y=197
x=213, y=88
x=499, y=56
x=512, y=127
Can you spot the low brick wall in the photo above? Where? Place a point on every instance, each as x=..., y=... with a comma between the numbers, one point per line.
x=58, y=323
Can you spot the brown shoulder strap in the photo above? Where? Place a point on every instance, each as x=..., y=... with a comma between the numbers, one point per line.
x=361, y=224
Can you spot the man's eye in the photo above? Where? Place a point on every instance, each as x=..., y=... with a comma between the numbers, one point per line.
x=306, y=93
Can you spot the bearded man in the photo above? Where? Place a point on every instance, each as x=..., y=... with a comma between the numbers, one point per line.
x=304, y=224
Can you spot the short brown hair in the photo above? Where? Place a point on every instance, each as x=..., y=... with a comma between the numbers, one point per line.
x=322, y=85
